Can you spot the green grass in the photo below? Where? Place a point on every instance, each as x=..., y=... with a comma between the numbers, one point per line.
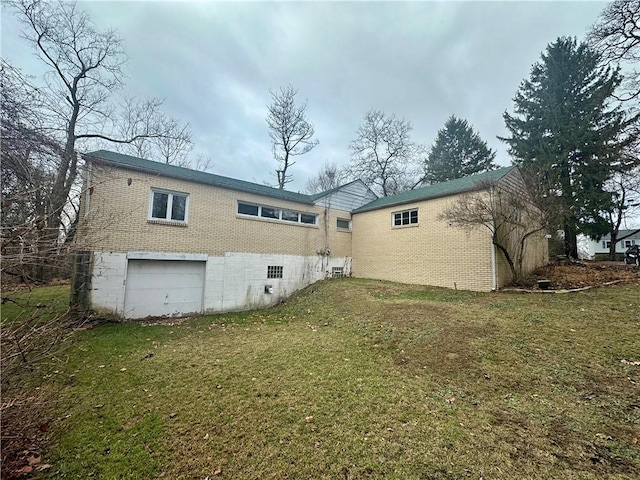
x=45, y=302
x=361, y=379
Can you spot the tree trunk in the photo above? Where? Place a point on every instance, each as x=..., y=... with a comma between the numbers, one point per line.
x=514, y=273
x=612, y=245
x=570, y=241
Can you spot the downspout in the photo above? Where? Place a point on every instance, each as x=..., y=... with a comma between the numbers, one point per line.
x=494, y=273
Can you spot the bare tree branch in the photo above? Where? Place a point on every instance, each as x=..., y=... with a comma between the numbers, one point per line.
x=382, y=153
x=329, y=176
x=290, y=131
x=509, y=213
x=616, y=36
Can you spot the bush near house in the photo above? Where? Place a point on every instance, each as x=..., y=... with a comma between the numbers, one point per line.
x=359, y=379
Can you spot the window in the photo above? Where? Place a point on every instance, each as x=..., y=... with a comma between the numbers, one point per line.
x=406, y=217
x=627, y=243
x=290, y=216
x=246, y=209
x=343, y=224
x=608, y=244
x=273, y=213
x=337, y=272
x=268, y=212
x=274, y=271
x=169, y=206
x=307, y=218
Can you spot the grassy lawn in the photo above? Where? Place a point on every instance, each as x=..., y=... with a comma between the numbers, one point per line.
x=361, y=379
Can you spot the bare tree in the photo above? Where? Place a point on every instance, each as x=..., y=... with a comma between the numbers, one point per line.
x=201, y=162
x=173, y=143
x=85, y=72
x=624, y=188
x=290, y=131
x=135, y=115
x=616, y=36
x=509, y=213
x=382, y=153
x=29, y=161
x=329, y=176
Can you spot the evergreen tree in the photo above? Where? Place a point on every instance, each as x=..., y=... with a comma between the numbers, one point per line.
x=568, y=138
x=458, y=151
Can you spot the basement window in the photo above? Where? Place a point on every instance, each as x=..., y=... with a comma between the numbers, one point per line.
x=343, y=224
x=406, y=217
x=274, y=271
x=337, y=272
x=168, y=206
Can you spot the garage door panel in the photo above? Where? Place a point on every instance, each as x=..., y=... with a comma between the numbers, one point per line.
x=163, y=288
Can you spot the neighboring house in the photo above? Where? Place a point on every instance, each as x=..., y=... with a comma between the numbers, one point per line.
x=164, y=240
x=601, y=247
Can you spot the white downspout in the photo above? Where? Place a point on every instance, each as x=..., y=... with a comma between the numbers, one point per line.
x=494, y=273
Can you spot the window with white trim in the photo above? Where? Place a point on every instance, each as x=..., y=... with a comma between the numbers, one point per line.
x=274, y=271
x=627, y=243
x=406, y=217
x=274, y=213
x=343, y=224
x=168, y=206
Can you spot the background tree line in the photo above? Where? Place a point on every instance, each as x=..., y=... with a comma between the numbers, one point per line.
x=77, y=106
x=574, y=133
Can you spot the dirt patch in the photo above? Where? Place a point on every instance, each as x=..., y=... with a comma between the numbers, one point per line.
x=412, y=316
x=588, y=274
x=448, y=353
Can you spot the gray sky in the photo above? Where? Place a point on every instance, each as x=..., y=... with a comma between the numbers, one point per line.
x=215, y=62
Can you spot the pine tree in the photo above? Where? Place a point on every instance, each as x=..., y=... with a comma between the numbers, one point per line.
x=458, y=151
x=567, y=137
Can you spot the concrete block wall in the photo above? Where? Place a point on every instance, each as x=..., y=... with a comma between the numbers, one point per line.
x=234, y=281
x=107, y=282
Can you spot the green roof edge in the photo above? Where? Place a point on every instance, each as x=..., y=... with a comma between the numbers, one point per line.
x=444, y=189
x=149, y=166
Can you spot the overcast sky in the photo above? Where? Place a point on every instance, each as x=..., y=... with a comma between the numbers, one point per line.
x=214, y=64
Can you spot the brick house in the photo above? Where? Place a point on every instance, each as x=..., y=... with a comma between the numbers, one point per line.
x=402, y=239
x=164, y=240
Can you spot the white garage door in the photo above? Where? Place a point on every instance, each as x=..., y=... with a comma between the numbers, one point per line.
x=163, y=288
